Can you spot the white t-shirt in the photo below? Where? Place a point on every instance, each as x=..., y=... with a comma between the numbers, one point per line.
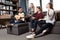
x=50, y=18
x=21, y=16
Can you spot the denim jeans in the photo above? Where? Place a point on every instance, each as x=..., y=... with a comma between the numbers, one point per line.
x=43, y=27
x=33, y=24
x=18, y=22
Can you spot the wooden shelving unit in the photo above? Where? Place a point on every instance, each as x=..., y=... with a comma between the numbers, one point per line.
x=13, y=5
x=7, y=4
x=7, y=10
x=4, y=4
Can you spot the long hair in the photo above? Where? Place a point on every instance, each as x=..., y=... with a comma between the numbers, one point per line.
x=33, y=8
x=51, y=5
x=33, y=5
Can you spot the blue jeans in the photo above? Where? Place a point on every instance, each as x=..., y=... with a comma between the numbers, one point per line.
x=18, y=22
x=33, y=24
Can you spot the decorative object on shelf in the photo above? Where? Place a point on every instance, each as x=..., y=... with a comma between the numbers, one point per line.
x=7, y=7
x=3, y=1
x=11, y=8
x=0, y=0
x=7, y=2
x=10, y=2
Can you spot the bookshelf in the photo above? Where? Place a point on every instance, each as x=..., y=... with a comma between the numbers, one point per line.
x=7, y=8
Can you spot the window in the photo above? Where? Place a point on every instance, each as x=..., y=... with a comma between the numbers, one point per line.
x=35, y=2
x=56, y=4
x=44, y=2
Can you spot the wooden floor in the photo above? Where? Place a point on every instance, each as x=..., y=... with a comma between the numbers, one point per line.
x=5, y=36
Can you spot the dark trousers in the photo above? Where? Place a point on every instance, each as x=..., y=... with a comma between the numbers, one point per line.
x=43, y=27
x=33, y=24
x=18, y=22
x=42, y=22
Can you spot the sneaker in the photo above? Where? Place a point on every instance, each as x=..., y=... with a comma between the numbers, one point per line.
x=44, y=31
x=31, y=31
x=30, y=36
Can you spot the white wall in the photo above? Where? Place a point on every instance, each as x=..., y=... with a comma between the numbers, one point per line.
x=56, y=4
x=44, y=3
